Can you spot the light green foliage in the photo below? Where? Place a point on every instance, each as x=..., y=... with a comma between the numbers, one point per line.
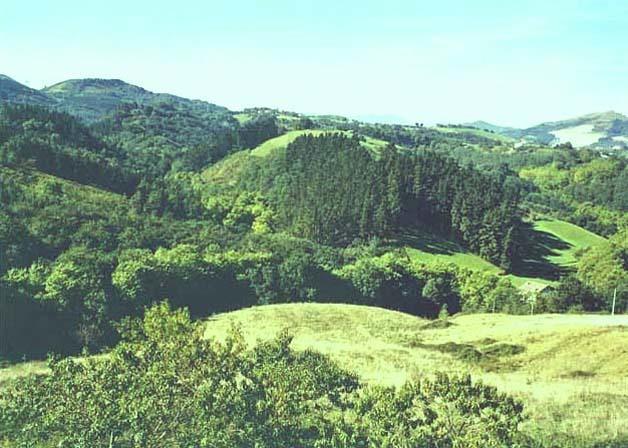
x=137, y=270
x=604, y=268
x=548, y=176
x=394, y=282
x=582, y=188
x=184, y=261
x=246, y=210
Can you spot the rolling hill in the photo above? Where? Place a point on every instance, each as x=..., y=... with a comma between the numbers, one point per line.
x=550, y=249
x=480, y=124
x=557, y=364
x=226, y=170
x=569, y=370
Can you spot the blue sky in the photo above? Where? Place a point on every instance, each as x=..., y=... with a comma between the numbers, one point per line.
x=512, y=63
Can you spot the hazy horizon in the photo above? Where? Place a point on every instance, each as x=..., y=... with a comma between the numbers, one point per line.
x=511, y=65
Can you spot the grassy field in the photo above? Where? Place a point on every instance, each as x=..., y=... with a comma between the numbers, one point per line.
x=372, y=144
x=10, y=371
x=571, y=371
x=227, y=169
x=582, y=135
x=282, y=141
x=425, y=247
x=242, y=117
x=576, y=238
x=552, y=251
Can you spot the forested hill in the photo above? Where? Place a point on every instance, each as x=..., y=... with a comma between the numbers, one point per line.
x=113, y=198
x=331, y=190
x=57, y=143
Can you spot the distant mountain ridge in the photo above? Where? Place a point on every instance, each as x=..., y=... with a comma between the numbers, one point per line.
x=504, y=130
x=601, y=130
x=91, y=99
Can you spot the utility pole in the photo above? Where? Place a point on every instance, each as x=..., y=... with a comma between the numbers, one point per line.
x=614, y=301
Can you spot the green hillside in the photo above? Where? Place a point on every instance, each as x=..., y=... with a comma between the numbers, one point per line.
x=576, y=239
x=555, y=244
x=600, y=130
x=425, y=247
x=558, y=364
x=226, y=171
x=549, y=251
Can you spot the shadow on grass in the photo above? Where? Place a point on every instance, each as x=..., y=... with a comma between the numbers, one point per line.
x=427, y=243
x=536, y=249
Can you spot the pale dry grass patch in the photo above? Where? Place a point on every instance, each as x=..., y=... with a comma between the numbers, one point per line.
x=572, y=374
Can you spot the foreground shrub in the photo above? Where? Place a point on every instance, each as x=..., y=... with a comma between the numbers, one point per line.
x=165, y=385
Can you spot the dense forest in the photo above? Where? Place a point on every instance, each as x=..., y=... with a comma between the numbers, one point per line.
x=317, y=195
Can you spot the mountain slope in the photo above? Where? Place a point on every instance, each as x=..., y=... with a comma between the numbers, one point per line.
x=12, y=91
x=92, y=99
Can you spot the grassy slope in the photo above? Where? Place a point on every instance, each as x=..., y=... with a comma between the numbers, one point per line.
x=576, y=238
x=565, y=240
x=242, y=117
x=572, y=375
x=426, y=248
x=89, y=196
x=282, y=141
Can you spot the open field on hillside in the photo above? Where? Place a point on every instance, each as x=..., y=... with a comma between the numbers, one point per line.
x=552, y=251
x=226, y=170
x=426, y=248
x=282, y=141
x=242, y=117
x=576, y=238
x=571, y=371
x=266, y=148
x=582, y=135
